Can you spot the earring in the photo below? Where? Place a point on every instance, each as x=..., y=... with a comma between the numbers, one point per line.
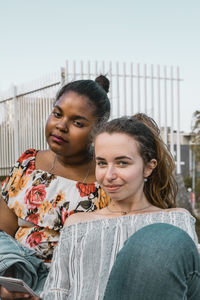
x=145, y=179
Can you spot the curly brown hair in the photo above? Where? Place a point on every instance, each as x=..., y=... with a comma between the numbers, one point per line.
x=161, y=187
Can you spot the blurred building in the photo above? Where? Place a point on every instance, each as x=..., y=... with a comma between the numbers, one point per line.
x=188, y=166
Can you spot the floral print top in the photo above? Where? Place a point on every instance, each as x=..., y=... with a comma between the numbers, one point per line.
x=42, y=201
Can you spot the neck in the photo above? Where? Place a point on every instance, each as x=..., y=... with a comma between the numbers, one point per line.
x=82, y=171
x=125, y=207
x=74, y=161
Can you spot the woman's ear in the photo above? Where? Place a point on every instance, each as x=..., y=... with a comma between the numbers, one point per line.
x=150, y=166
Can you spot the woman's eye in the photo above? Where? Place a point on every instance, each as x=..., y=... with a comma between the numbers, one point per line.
x=122, y=163
x=78, y=124
x=56, y=114
x=101, y=163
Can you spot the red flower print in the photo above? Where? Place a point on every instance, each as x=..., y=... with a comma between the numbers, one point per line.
x=35, y=239
x=30, y=168
x=35, y=196
x=85, y=188
x=34, y=218
x=3, y=182
x=27, y=154
x=71, y=212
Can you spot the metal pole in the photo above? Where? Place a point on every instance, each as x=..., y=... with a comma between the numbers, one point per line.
x=74, y=70
x=96, y=69
x=178, y=147
x=193, y=172
x=190, y=160
x=131, y=84
x=124, y=77
x=62, y=76
x=117, y=87
x=16, y=129
x=172, y=115
x=138, y=77
x=88, y=69
x=103, y=67
x=81, y=70
x=145, y=88
x=152, y=92
x=165, y=105
x=66, y=71
x=159, y=95
x=111, y=76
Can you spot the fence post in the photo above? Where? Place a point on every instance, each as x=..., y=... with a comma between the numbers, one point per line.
x=172, y=114
x=165, y=106
x=178, y=149
x=16, y=125
x=62, y=76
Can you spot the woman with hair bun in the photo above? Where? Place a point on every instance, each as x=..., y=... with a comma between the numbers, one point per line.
x=45, y=187
x=138, y=247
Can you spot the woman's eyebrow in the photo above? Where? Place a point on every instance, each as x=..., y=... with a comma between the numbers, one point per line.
x=116, y=158
x=58, y=107
x=123, y=157
x=77, y=117
x=99, y=158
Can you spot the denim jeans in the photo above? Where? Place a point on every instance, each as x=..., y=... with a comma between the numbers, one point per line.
x=158, y=262
x=22, y=261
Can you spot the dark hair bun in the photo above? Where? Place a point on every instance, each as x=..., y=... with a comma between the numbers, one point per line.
x=103, y=82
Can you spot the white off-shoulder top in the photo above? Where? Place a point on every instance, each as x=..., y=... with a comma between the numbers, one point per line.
x=86, y=252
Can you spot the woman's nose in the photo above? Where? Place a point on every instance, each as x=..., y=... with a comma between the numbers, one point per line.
x=63, y=125
x=111, y=173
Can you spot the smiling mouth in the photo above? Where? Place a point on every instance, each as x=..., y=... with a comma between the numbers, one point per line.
x=112, y=188
x=58, y=139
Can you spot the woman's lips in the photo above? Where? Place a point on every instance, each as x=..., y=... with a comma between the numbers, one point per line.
x=112, y=188
x=58, y=139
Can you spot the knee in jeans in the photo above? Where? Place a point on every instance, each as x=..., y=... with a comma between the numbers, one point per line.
x=159, y=244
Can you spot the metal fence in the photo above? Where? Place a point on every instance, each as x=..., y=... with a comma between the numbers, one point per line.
x=154, y=90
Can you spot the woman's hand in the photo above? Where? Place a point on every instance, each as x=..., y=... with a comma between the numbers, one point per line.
x=6, y=295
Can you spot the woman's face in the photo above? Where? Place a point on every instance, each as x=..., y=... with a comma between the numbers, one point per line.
x=69, y=125
x=119, y=167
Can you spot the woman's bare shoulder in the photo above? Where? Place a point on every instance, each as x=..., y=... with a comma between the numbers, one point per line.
x=43, y=159
x=43, y=154
x=174, y=209
x=178, y=209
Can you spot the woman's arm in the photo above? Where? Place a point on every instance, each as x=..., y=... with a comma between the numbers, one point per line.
x=9, y=224
x=8, y=219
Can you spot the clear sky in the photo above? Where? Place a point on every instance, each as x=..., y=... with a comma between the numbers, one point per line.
x=37, y=36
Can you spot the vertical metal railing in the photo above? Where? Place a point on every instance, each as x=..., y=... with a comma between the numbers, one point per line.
x=140, y=88
x=23, y=114
x=154, y=90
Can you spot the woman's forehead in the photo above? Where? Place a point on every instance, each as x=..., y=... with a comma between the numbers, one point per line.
x=116, y=143
x=72, y=102
x=115, y=136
